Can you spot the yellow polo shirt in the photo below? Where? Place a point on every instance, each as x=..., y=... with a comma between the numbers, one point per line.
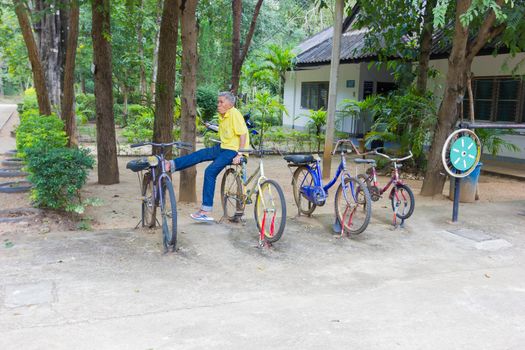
x=231, y=127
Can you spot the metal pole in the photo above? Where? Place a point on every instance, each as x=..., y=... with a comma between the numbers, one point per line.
x=457, y=190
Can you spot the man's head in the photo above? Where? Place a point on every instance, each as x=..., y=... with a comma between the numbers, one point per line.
x=226, y=101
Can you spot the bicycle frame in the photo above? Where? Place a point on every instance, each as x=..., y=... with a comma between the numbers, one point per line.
x=311, y=192
x=394, y=179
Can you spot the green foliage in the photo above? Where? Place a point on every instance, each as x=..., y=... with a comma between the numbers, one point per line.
x=493, y=142
x=29, y=101
x=141, y=129
x=316, y=123
x=406, y=119
x=85, y=107
x=207, y=101
x=267, y=112
x=58, y=175
x=35, y=131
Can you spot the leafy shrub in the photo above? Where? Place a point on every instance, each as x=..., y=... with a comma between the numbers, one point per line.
x=141, y=129
x=136, y=111
x=58, y=175
x=316, y=124
x=86, y=107
x=35, y=131
x=207, y=101
x=29, y=101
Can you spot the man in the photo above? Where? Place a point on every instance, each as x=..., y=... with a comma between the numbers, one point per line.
x=233, y=134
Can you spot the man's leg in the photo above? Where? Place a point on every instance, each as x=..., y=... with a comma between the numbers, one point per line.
x=210, y=176
x=197, y=157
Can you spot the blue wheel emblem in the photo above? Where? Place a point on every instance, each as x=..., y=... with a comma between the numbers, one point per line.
x=463, y=153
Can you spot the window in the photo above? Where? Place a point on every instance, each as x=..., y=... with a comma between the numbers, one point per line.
x=314, y=95
x=497, y=100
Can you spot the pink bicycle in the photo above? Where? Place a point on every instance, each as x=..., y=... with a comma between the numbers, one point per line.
x=401, y=196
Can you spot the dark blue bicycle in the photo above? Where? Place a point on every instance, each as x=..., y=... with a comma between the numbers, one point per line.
x=157, y=191
x=353, y=205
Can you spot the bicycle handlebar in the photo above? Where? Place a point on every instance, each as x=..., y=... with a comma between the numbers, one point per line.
x=345, y=141
x=179, y=144
x=392, y=159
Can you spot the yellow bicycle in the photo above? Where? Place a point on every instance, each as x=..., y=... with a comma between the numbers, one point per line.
x=270, y=206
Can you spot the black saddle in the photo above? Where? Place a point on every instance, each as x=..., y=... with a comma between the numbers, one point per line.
x=364, y=161
x=300, y=159
x=138, y=164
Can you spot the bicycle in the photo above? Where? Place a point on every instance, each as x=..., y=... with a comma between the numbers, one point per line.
x=270, y=205
x=156, y=188
x=401, y=196
x=352, y=198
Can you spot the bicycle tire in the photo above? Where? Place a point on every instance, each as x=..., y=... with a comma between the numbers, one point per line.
x=169, y=216
x=149, y=207
x=373, y=190
x=360, y=197
x=298, y=197
x=410, y=194
x=232, y=195
x=270, y=234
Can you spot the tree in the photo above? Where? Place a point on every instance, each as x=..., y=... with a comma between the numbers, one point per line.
x=107, y=165
x=68, y=113
x=332, y=91
x=239, y=56
x=51, y=29
x=189, y=86
x=165, y=89
x=488, y=20
x=39, y=81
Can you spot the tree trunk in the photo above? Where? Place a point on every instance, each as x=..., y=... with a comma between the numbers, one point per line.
x=142, y=69
x=459, y=65
x=189, y=86
x=332, y=91
x=39, y=81
x=68, y=99
x=425, y=45
x=51, y=45
x=106, y=143
x=156, y=50
x=238, y=56
x=165, y=89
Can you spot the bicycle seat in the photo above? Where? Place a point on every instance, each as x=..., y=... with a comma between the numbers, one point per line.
x=364, y=161
x=300, y=159
x=136, y=165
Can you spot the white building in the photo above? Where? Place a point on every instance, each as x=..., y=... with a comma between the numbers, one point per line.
x=499, y=96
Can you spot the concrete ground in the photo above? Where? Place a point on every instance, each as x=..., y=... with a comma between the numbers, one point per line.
x=428, y=285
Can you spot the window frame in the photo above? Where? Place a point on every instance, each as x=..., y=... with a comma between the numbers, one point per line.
x=519, y=117
x=318, y=85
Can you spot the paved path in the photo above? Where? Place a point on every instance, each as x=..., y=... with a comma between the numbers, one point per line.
x=421, y=287
x=8, y=119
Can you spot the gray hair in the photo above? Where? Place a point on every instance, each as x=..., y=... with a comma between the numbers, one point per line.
x=229, y=96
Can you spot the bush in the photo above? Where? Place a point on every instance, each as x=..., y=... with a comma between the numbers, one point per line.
x=58, y=175
x=36, y=131
x=86, y=107
x=29, y=101
x=207, y=101
x=141, y=129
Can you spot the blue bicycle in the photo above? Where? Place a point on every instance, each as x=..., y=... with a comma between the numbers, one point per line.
x=353, y=204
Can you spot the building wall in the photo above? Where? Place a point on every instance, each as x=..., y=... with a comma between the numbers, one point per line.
x=358, y=72
x=486, y=66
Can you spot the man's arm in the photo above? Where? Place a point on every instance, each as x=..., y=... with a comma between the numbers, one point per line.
x=242, y=141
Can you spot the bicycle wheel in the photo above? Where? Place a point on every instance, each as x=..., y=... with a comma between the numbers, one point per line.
x=231, y=195
x=149, y=209
x=270, y=211
x=302, y=177
x=168, y=210
x=353, y=205
x=402, y=200
x=373, y=190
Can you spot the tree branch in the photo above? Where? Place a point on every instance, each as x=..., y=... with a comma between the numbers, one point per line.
x=251, y=31
x=486, y=32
